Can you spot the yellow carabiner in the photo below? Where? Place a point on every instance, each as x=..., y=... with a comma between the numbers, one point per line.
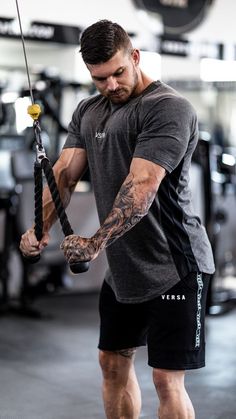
x=34, y=111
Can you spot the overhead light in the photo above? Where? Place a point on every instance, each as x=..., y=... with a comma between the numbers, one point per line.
x=217, y=70
x=228, y=159
x=9, y=97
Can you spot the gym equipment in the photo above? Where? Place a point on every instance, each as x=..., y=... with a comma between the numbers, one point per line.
x=42, y=163
x=209, y=158
x=8, y=209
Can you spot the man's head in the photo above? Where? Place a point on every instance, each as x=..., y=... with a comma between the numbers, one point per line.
x=113, y=63
x=100, y=41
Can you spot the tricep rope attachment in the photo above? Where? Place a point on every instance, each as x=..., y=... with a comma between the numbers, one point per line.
x=42, y=164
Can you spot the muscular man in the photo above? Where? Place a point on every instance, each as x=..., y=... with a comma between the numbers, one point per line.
x=137, y=136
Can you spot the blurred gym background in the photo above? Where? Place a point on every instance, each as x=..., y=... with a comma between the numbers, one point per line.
x=191, y=45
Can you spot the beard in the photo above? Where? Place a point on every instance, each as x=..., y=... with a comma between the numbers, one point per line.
x=123, y=94
x=120, y=95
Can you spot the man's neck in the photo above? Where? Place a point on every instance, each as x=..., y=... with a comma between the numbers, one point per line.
x=143, y=82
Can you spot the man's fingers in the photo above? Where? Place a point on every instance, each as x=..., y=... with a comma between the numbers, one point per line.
x=44, y=242
x=29, y=244
x=29, y=250
x=29, y=238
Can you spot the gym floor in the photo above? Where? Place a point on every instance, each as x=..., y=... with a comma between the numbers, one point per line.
x=49, y=367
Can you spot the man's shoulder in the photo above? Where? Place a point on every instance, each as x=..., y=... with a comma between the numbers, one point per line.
x=160, y=90
x=163, y=96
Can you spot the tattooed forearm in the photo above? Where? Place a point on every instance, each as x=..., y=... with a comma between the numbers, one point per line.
x=131, y=205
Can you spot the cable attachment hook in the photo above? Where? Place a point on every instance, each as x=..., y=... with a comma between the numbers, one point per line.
x=34, y=111
x=40, y=154
x=37, y=134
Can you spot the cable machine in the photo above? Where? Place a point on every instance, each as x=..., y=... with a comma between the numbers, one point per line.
x=43, y=165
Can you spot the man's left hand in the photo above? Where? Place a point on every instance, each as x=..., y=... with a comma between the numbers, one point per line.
x=79, y=249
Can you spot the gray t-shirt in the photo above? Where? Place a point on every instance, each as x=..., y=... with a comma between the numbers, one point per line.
x=169, y=242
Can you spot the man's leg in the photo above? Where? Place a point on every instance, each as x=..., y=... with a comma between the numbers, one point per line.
x=174, y=400
x=121, y=393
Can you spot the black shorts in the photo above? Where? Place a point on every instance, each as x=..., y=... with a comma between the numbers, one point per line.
x=172, y=325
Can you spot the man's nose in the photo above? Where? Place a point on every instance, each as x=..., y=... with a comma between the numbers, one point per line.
x=112, y=83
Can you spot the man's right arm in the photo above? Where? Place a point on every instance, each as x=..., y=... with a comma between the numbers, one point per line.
x=68, y=169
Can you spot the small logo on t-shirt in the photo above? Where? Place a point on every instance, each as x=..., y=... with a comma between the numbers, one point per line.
x=100, y=135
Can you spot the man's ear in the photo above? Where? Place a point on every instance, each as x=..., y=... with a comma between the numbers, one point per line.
x=136, y=56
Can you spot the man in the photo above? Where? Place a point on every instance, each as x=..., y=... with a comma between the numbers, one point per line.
x=137, y=137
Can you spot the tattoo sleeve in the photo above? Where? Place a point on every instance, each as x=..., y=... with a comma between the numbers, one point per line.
x=131, y=205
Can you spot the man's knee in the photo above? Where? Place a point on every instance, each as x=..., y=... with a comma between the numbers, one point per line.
x=115, y=364
x=167, y=381
x=108, y=363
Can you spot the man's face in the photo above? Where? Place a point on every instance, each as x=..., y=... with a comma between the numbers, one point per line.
x=117, y=78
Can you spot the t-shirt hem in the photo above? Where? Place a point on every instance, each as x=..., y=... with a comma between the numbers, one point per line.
x=148, y=297
x=160, y=162
x=73, y=146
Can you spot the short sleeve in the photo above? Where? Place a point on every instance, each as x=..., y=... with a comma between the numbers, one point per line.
x=166, y=130
x=74, y=138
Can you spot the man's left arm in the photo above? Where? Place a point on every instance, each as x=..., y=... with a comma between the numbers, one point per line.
x=130, y=206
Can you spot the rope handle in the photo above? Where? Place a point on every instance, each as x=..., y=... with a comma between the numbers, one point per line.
x=38, y=213
x=76, y=267
x=38, y=202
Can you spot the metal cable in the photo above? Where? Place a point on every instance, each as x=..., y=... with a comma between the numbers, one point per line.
x=24, y=51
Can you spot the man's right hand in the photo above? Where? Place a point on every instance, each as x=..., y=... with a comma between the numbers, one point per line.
x=29, y=244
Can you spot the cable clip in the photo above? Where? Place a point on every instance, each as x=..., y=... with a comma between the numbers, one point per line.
x=40, y=153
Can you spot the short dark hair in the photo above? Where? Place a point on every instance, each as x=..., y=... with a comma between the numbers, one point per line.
x=100, y=41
